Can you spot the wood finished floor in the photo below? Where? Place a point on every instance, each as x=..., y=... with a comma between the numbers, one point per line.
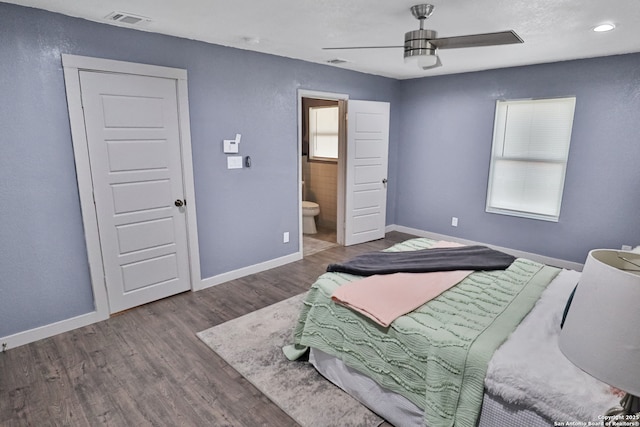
x=146, y=366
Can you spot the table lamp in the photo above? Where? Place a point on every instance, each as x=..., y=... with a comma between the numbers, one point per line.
x=601, y=331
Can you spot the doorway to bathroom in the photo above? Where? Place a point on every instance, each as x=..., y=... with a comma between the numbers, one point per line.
x=355, y=182
x=322, y=142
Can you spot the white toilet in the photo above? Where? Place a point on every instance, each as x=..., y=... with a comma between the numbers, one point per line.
x=309, y=211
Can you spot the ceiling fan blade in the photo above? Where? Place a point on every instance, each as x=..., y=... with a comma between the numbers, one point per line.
x=361, y=47
x=477, y=40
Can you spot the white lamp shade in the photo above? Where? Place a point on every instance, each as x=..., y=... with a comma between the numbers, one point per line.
x=601, y=333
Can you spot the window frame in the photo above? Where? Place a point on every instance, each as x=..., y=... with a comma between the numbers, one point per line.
x=312, y=135
x=532, y=161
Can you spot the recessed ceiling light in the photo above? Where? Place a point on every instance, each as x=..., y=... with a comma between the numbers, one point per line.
x=604, y=28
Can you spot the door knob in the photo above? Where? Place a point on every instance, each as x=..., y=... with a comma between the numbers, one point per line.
x=384, y=181
x=180, y=203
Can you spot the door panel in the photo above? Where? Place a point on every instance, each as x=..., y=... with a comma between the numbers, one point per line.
x=140, y=196
x=366, y=199
x=367, y=148
x=137, y=155
x=134, y=153
x=367, y=157
x=368, y=174
x=145, y=235
x=135, y=112
x=148, y=272
x=369, y=122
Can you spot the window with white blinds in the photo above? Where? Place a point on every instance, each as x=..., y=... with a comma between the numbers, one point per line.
x=529, y=157
x=323, y=133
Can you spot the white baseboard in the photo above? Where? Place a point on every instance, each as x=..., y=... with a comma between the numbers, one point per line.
x=252, y=269
x=46, y=331
x=52, y=329
x=521, y=254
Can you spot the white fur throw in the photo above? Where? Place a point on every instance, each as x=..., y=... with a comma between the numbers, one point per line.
x=529, y=369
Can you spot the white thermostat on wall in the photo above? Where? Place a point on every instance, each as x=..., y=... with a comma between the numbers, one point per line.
x=231, y=145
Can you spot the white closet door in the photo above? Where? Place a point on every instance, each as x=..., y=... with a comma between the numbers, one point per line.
x=134, y=152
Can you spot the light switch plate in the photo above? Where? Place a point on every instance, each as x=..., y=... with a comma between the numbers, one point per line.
x=234, y=162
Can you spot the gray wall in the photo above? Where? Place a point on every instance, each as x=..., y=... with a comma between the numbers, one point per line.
x=241, y=213
x=445, y=143
x=441, y=130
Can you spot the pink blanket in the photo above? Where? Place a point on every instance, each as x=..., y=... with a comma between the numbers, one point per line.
x=384, y=298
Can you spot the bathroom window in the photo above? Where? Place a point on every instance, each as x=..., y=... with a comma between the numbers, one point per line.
x=323, y=133
x=529, y=157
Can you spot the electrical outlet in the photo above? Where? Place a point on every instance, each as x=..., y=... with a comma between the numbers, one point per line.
x=285, y=237
x=454, y=221
x=626, y=247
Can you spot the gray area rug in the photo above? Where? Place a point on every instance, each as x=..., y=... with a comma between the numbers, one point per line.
x=252, y=344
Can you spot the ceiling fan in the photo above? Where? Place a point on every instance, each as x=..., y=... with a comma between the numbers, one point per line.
x=422, y=45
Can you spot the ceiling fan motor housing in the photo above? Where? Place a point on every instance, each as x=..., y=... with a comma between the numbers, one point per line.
x=417, y=43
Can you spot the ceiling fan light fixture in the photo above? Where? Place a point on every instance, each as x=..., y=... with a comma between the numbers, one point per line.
x=426, y=60
x=429, y=61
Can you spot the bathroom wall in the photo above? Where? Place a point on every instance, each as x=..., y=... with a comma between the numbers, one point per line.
x=322, y=188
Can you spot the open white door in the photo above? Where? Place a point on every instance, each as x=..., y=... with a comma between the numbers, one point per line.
x=366, y=177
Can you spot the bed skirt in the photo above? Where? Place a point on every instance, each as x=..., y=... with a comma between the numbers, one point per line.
x=401, y=412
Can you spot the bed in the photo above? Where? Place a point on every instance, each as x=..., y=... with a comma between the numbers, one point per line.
x=481, y=353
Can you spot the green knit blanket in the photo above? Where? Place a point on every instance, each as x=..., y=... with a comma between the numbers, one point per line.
x=437, y=355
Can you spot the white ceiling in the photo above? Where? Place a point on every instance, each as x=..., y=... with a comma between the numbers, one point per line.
x=552, y=30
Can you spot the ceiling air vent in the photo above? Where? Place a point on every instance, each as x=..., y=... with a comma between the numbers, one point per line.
x=127, y=18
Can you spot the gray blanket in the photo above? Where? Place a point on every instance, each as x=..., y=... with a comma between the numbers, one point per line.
x=425, y=260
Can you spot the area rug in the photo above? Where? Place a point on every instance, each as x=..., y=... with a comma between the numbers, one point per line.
x=252, y=344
